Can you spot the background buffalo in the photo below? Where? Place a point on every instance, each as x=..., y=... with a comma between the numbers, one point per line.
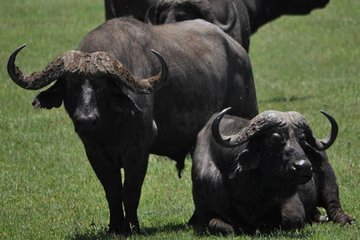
x=238, y=18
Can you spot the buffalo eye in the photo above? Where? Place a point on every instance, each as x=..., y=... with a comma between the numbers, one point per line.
x=277, y=139
x=98, y=91
x=302, y=137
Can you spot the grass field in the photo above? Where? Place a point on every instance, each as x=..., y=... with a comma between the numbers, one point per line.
x=47, y=187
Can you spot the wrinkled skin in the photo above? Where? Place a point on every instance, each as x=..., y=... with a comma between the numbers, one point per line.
x=273, y=180
x=120, y=127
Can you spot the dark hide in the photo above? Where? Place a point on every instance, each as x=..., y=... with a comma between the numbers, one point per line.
x=254, y=186
x=219, y=12
x=249, y=14
x=119, y=127
x=261, y=12
x=127, y=8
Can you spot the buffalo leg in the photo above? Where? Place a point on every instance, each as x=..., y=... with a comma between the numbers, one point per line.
x=292, y=213
x=219, y=227
x=329, y=193
x=135, y=170
x=110, y=178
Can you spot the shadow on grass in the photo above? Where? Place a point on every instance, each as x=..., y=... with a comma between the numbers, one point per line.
x=168, y=228
x=285, y=99
x=278, y=234
x=146, y=231
x=173, y=228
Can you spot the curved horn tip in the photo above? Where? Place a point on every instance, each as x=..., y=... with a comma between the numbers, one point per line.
x=11, y=62
x=21, y=47
x=326, y=113
x=329, y=117
x=156, y=53
x=215, y=129
x=163, y=64
x=330, y=139
x=224, y=111
x=15, y=53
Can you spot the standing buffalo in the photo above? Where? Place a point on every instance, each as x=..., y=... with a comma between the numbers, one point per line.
x=122, y=109
x=262, y=174
x=247, y=15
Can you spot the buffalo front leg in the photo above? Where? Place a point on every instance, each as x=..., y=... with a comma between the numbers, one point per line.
x=329, y=193
x=135, y=169
x=110, y=178
x=292, y=213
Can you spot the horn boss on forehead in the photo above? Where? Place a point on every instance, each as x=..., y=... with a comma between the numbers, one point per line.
x=80, y=64
x=255, y=126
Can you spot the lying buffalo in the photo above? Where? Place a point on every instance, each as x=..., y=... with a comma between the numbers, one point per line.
x=247, y=15
x=262, y=174
x=122, y=109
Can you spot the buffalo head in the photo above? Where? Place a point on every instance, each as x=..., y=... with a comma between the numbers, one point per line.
x=91, y=85
x=280, y=144
x=299, y=7
x=181, y=10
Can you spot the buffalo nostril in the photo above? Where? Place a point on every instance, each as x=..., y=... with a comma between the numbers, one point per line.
x=86, y=121
x=299, y=164
x=303, y=167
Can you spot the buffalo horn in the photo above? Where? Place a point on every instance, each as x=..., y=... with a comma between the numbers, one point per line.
x=326, y=142
x=255, y=127
x=36, y=80
x=77, y=63
x=153, y=83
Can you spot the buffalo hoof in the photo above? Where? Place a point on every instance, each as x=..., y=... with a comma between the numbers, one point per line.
x=125, y=230
x=293, y=223
x=344, y=219
x=219, y=227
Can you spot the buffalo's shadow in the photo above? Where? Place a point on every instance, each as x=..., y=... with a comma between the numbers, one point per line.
x=145, y=231
x=285, y=99
x=168, y=228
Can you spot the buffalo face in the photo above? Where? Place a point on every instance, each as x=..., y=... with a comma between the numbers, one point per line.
x=181, y=10
x=283, y=156
x=279, y=144
x=94, y=87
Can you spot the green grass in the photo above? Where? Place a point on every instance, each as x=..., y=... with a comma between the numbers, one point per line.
x=47, y=187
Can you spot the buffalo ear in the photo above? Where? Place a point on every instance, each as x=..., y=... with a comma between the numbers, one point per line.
x=50, y=98
x=150, y=15
x=247, y=160
x=316, y=157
